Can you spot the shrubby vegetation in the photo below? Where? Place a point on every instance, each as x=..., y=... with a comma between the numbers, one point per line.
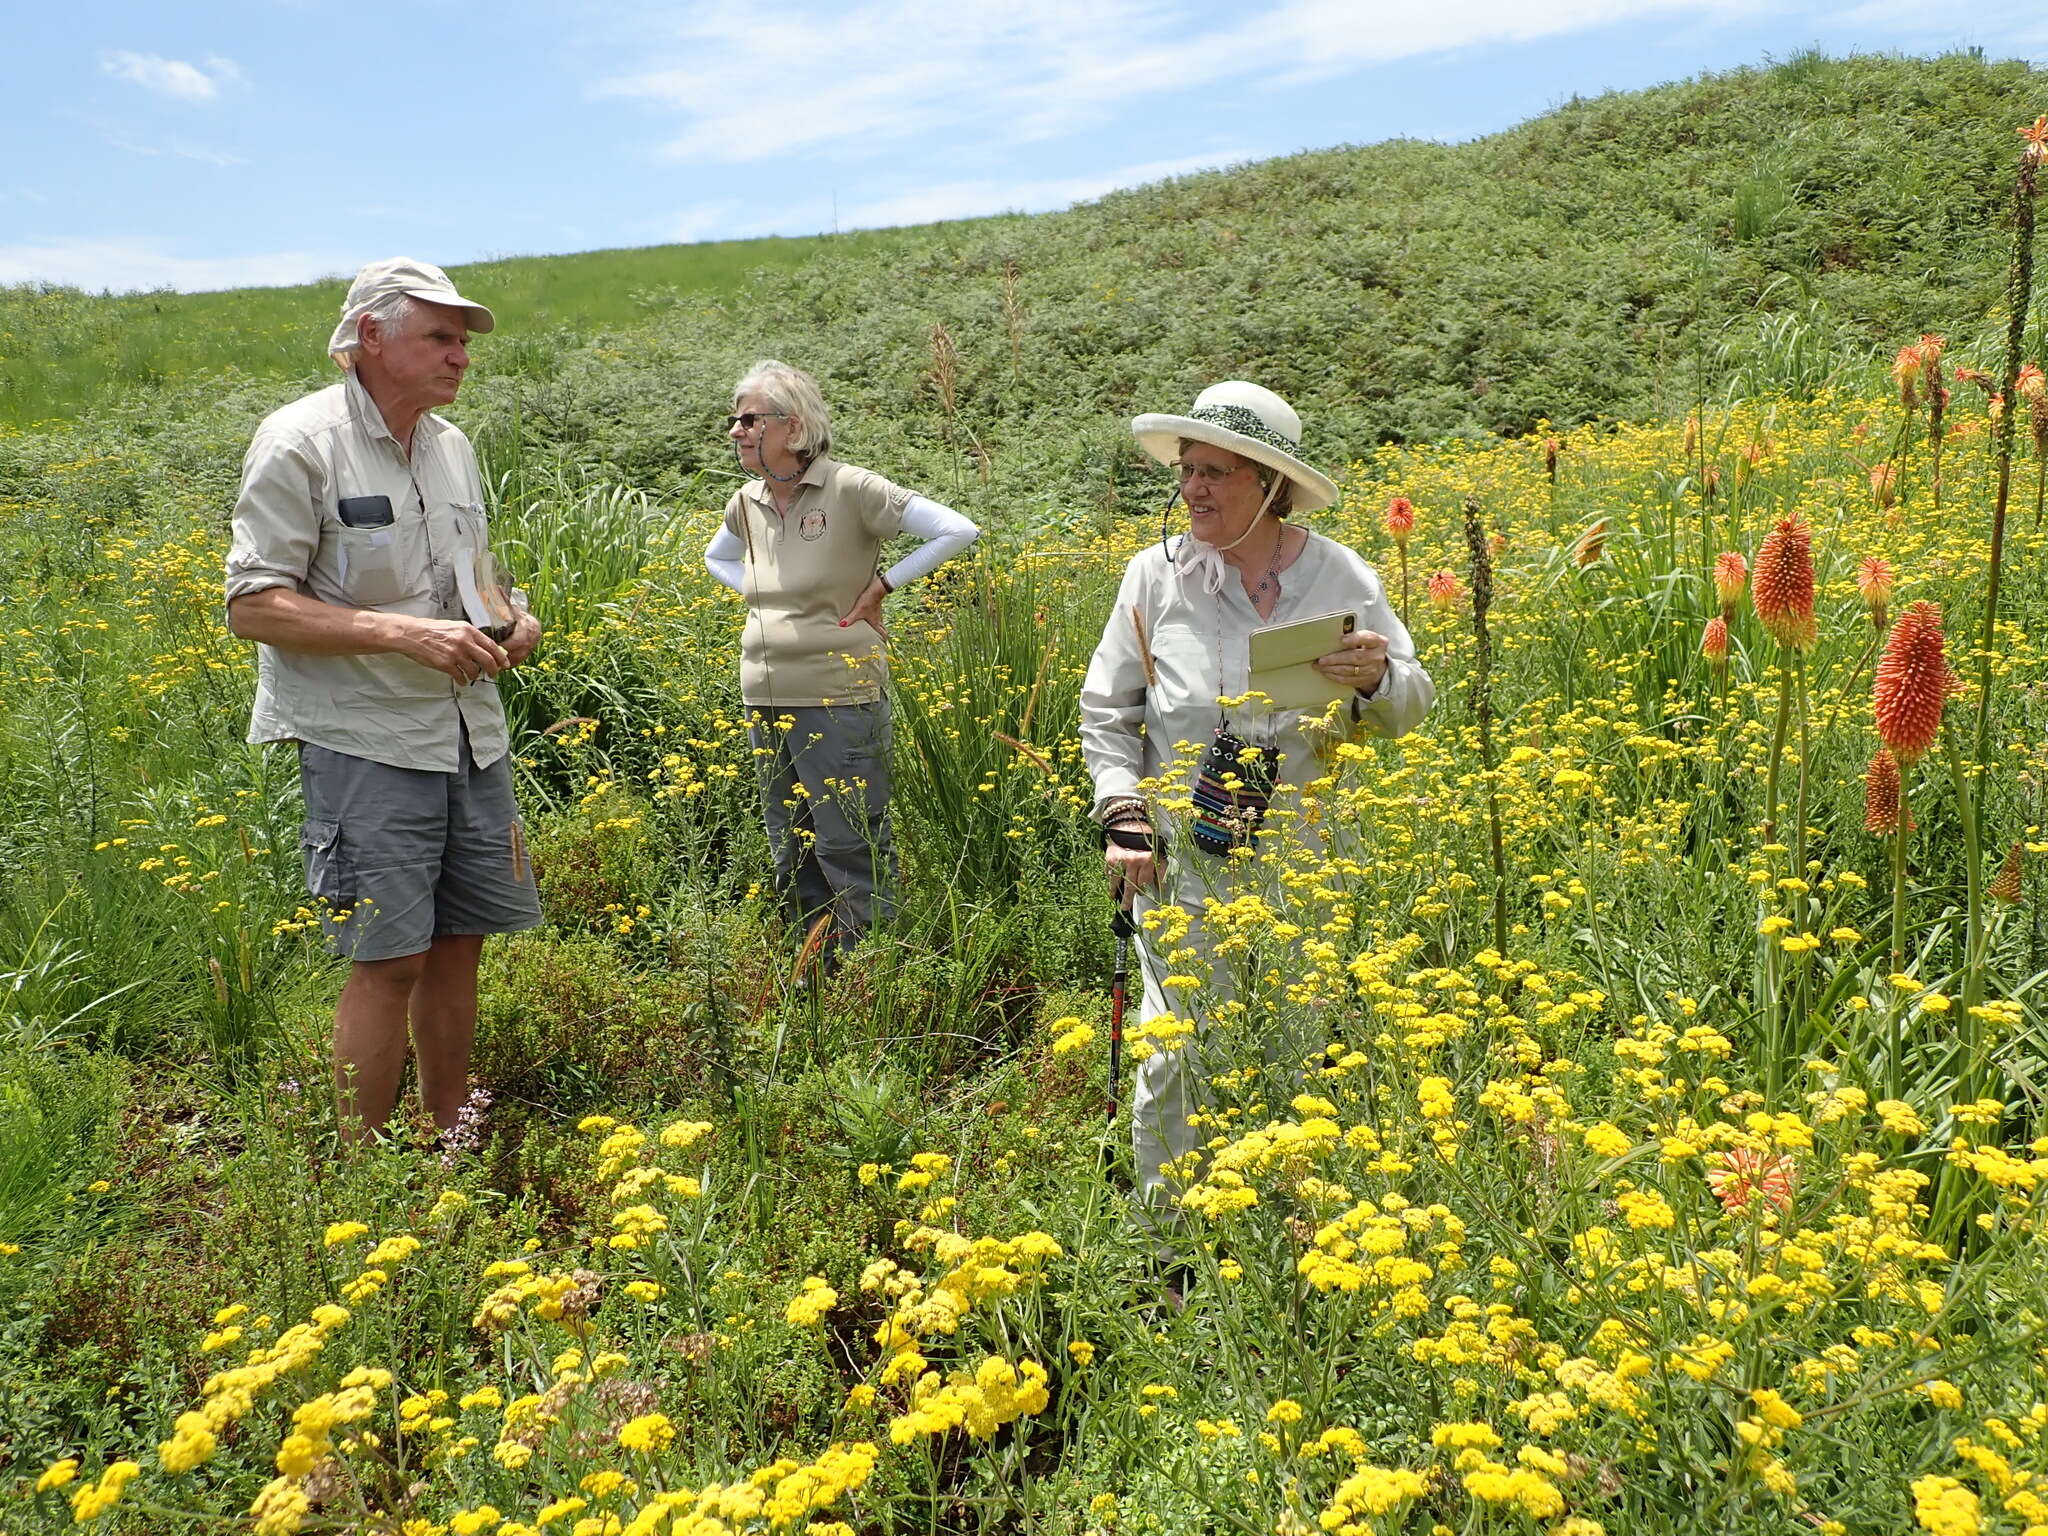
x=1630, y=1183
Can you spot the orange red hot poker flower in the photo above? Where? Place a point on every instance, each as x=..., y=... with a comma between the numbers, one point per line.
x=1444, y=590
x=2036, y=136
x=1874, y=583
x=1743, y=1176
x=1782, y=589
x=1906, y=374
x=1401, y=519
x=1714, y=643
x=2007, y=886
x=1592, y=544
x=1731, y=577
x=1913, y=683
x=1884, y=805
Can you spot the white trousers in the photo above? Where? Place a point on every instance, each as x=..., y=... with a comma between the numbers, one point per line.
x=1174, y=1084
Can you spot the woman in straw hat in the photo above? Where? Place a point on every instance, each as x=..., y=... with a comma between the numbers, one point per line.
x=1178, y=641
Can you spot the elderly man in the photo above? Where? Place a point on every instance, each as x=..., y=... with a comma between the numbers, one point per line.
x=360, y=558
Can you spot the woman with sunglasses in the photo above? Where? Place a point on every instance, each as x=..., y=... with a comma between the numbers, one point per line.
x=802, y=543
x=1177, y=644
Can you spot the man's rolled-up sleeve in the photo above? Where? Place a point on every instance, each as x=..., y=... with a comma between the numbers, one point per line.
x=276, y=518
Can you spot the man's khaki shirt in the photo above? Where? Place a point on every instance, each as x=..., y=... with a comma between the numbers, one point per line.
x=804, y=568
x=306, y=459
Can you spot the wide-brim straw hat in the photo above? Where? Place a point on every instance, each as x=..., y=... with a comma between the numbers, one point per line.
x=1247, y=420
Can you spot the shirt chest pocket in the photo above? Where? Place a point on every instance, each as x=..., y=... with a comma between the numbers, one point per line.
x=375, y=566
x=472, y=524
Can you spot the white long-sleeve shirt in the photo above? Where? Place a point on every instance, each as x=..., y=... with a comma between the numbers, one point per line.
x=945, y=533
x=1201, y=650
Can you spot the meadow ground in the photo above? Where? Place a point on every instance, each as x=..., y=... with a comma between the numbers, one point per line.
x=1687, y=1207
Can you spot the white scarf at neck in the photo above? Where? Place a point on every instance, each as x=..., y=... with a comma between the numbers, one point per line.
x=1205, y=560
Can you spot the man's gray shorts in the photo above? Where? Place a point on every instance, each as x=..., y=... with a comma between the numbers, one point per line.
x=411, y=855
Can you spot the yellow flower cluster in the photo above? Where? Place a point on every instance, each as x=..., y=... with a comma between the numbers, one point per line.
x=997, y=1393
x=975, y=1270
x=808, y=1307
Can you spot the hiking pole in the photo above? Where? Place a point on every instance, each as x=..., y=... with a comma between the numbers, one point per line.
x=1121, y=893
x=1119, y=978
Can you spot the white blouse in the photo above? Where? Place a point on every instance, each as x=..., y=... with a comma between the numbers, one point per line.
x=1201, y=650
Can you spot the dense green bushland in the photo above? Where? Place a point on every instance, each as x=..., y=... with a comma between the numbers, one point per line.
x=1691, y=1211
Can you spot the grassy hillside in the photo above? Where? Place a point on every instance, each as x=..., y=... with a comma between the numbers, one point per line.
x=62, y=350
x=1613, y=257
x=1751, y=231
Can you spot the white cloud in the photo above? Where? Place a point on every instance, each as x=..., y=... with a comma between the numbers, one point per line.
x=702, y=221
x=931, y=204
x=972, y=199
x=179, y=148
x=172, y=77
x=129, y=263
x=875, y=72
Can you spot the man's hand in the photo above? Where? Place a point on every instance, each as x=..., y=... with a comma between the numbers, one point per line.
x=1360, y=662
x=525, y=636
x=456, y=647
x=868, y=607
x=296, y=622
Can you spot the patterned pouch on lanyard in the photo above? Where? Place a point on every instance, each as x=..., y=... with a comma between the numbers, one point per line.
x=1233, y=786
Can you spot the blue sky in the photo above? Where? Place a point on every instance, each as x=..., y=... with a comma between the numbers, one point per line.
x=271, y=141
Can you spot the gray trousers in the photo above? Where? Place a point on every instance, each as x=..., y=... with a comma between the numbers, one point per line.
x=825, y=798
x=399, y=857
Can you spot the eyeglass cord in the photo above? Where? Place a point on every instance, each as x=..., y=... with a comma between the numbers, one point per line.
x=765, y=470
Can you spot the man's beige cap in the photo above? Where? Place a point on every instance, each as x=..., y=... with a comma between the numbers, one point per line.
x=399, y=274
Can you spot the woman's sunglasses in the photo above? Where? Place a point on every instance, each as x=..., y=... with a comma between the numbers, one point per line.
x=746, y=421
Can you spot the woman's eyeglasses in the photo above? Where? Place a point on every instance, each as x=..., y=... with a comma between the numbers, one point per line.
x=746, y=421
x=1207, y=474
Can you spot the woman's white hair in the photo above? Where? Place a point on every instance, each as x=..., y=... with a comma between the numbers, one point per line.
x=796, y=392
x=390, y=312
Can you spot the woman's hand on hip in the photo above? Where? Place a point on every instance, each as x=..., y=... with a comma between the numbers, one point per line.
x=867, y=608
x=1360, y=662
